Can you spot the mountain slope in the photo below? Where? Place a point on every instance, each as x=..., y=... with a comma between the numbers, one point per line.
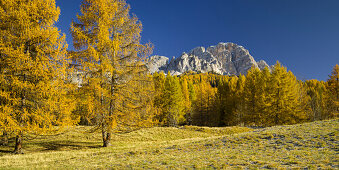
x=224, y=58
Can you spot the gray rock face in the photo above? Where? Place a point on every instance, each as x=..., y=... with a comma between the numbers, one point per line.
x=157, y=63
x=262, y=64
x=224, y=58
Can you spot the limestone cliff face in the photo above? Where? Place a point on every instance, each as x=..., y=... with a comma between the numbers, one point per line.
x=224, y=58
x=157, y=63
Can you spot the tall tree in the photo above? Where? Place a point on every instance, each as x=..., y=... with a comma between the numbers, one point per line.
x=204, y=113
x=285, y=97
x=33, y=69
x=251, y=97
x=223, y=93
x=159, y=99
x=185, y=93
x=333, y=92
x=240, y=108
x=192, y=98
x=173, y=113
x=107, y=42
x=304, y=108
x=227, y=100
x=316, y=90
x=264, y=85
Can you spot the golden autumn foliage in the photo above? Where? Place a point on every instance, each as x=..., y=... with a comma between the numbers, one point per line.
x=226, y=99
x=173, y=108
x=272, y=96
x=116, y=91
x=285, y=100
x=33, y=70
x=317, y=92
x=158, y=99
x=186, y=95
x=204, y=104
x=333, y=92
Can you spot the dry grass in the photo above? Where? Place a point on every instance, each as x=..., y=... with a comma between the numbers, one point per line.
x=309, y=145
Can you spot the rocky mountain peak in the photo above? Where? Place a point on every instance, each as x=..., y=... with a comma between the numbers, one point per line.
x=224, y=58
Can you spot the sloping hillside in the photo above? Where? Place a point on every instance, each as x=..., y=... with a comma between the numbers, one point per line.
x=309, y=145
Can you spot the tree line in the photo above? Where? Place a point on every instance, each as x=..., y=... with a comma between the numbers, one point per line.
x=268, y=97
x=116, y=92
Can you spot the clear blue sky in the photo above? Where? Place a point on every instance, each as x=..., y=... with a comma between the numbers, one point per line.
x=302, y=34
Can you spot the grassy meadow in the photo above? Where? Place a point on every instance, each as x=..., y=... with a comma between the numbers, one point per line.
x=308, y=145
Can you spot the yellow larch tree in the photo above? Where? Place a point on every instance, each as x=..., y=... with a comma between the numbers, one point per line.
x=232, y=101
x=116, y=88
x=221, y=98
x=316, y=91
x=251, y=96
x=239, y=97
x=304, y=108
x=186, y=96
x=159, y=99
x=191, y=98
x=34, y=70
x=173, y=112
x=264, y=97
x=286, y=104
x=333, y=93
x=226, y=98
x=204, y=113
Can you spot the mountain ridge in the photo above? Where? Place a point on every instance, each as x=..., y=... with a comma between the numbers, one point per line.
x=223, y=58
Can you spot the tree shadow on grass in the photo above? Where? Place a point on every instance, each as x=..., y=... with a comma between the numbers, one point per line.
x=67, y=145
x=64, y=145
x=5, y=151
x=8, y=147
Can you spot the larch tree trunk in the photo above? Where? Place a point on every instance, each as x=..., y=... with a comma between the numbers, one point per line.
x=106, y=137
x=18, y=145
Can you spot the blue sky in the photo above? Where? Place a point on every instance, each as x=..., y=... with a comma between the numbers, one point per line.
x=302, y=34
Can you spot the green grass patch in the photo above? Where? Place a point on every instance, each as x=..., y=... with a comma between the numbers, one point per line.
x=309, y=145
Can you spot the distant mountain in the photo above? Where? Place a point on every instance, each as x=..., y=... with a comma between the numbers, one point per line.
x=224, y=58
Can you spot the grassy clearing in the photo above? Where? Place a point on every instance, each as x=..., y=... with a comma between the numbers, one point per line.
x=309, y=145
